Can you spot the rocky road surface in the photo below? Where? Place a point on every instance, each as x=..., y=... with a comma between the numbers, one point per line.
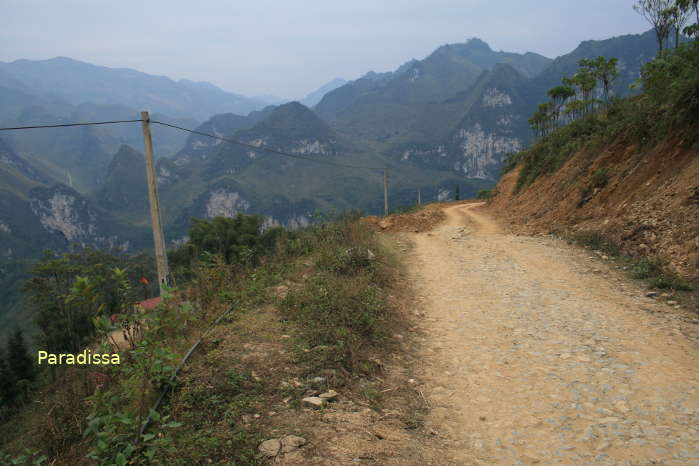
x=534, y=353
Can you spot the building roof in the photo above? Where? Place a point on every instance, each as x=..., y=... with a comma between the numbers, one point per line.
x=149, y=304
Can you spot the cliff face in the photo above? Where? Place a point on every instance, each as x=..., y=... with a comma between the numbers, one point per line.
x=649, y=206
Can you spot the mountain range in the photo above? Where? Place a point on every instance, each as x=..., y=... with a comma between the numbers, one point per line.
x=437, y=123
x=77, y=83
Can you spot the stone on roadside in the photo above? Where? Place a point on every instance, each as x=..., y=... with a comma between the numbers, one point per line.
x=270, y=448
x=291, y=443
x=313, y=402
x=329, y=395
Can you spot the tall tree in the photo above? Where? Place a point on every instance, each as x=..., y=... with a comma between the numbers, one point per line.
x=585, y=81
x=606, y=72
x=8, y=384
x=18, y=359
x=542, y=120
x=687, y=6
x=559, y=95
x=679, y=17
x=657, y=13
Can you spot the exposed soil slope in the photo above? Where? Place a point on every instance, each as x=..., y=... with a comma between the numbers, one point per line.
x=650, y=205
x=535, y=352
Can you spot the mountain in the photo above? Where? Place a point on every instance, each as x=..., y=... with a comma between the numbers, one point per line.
x=314, y=97
x=79, y=156
x=55, y=214
x=125, y=185
x=209, y=178
x=470, y=132
x=380, y=106
x=473, y=130
x=268, y=100
x=198, y=146
x=77, y=83
x=9, y=158
x=435, y=123
x=632, y=51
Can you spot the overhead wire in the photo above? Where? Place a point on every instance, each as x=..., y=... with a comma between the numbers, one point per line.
x=91, y=123
x=201, y=133
x=267, y=149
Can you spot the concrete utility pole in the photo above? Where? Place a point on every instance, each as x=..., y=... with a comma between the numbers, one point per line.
x=385, y=192
x=158, y=237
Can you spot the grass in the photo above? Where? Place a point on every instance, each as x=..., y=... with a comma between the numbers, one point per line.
x=640, y=268
x=549, y=153
x=600, y=178
x=404, y=210
x=485, y=194
x=340, y=308
x=336, y=273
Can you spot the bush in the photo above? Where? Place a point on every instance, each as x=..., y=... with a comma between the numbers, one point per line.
x=238, y=240
x=340, y=308
x=485, y=194
x=600, y=178
x=645, y=269
x=549, y=154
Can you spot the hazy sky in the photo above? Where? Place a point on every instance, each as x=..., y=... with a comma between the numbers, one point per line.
x=290, y=48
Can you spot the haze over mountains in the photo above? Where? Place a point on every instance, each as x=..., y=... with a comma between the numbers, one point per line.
x=447, y=119
x=78, y=83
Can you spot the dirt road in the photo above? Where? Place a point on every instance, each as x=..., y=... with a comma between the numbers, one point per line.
x=533, y=352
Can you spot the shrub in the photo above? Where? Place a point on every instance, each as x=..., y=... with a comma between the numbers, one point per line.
x=600, y=178
x=340, y=308
x=238, y=240
x=485, y=194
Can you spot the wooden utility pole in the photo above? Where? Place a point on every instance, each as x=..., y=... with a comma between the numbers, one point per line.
x=385, y=192
x=158, y=237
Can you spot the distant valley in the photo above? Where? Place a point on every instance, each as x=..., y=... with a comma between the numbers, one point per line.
x=444, y=121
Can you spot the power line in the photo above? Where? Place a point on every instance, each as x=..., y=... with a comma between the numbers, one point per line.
x=267, y=149
x=92, y=123
x=228, y=140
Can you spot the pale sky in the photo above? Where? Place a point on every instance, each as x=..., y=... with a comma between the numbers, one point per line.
x=289, y=48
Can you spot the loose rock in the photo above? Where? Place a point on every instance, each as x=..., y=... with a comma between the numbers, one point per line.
x=313, y=402
x=291, y=443
x=329, y=395
x=270, y=448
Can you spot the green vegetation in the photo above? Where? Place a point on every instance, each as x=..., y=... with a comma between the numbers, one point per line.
x=573, y=100
x=335, y=308
x=600, y=178
x=485, y=194
x=640, y=268
x=409, y=209
x=668, y=16
x=670, y=101
x=237, y=240
x=340, y=308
